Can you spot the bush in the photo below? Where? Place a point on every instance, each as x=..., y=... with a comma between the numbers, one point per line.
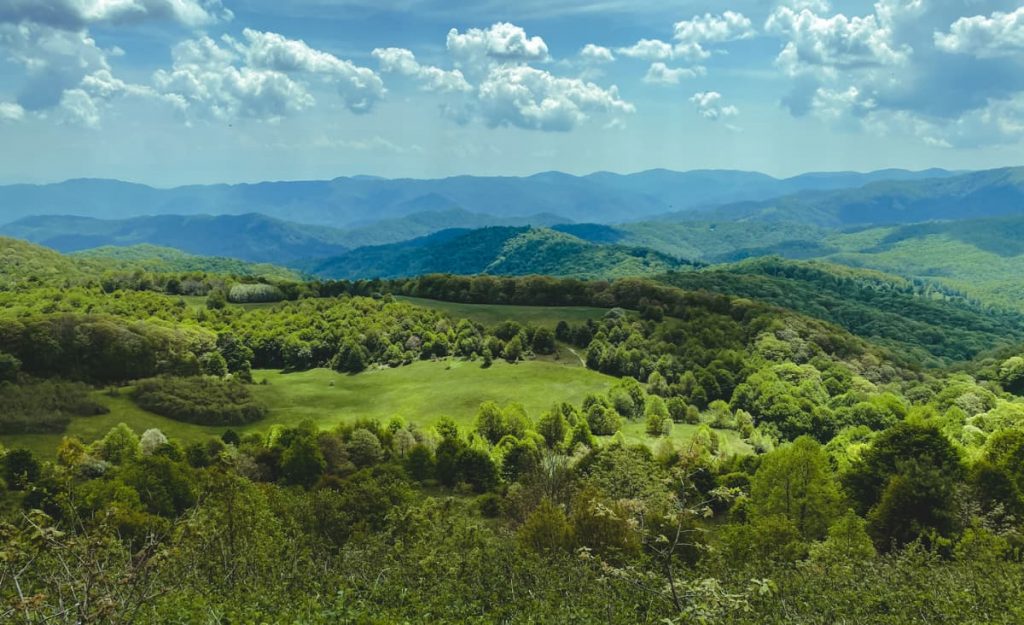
x=200, y=400
x=254, y=293
x=44, y=407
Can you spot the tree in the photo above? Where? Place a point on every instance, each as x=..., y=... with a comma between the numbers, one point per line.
x=475, y=467
x=581, y=435
x=20, y=468
x=906, y=484
x=231, y=437
x=163, y=486
x=547, y=529
x=352, y=357
x=543, y=341
x=656, y=415
x=364, y=448
x=303, y=463
x=120, y=445
x=9, y=368
x=603, y=420
x=152, y=440
x=419, y=463
x=212, y=363
x=490, y=422
x=553, y=426
x=513, y=349
x=216, y=300
x=1011, y=375
x=848, y=542
x=797, y=482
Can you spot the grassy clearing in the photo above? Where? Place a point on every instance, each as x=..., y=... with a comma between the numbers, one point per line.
x=491, y=314
x=421, y=393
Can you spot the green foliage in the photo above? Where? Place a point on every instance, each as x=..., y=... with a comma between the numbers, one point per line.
x=254, y=293
x=906, y=482
x=496, y=251
x=796, y=481
x=547, y=529
x=201, y=400
x=302, y=462
x=916, y=319
x=46, y=406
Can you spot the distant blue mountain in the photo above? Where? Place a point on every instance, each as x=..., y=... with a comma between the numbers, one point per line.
x=345, y=202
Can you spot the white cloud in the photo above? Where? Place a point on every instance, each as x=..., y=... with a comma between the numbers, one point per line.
x=661, y=74
x=534, y=99
x=1001, y=34
x=11, y=111
x=206, y=80
x=65, y=71
x=728, y=26
x=402, y=61
x=914, y=67
x=265, y=77
x=360, y=87
x=501, y=43
x=691, y=36
x=826, y=44
x=596, y=54
x=77, y=14
x=709, y=106
x=494, y=81
x=648, y=50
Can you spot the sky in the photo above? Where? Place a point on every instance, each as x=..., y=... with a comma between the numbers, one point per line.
x=171, y=92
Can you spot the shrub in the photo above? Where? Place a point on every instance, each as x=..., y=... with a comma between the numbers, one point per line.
x=200, y=400
x=254, y=293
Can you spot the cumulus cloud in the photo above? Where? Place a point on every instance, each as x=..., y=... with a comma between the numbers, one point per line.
x=534, y=99
x=494, y=81
x=916, y=67
x=501, y=43
x=648, y=50
x=728, y=26
x=660, y=74
x=266, y=76
x=1001, y=34
x=66, y=72
x=825, y=44
x=77, y=14
x=709, y=106
x=596, y=54
x=691, y=36
x=11, y=111
x=403, y=62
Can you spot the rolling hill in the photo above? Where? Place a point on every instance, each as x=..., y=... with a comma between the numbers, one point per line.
x=911, y=317
x=169, y=260
x=498, y=251
x=346, y=202
x=992, y=193
x=249, y=237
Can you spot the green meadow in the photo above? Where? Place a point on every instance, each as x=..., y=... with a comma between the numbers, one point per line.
x=421, y=393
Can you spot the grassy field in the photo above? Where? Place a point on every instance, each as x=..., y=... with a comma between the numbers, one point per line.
x=421, y=393
x=491, y=314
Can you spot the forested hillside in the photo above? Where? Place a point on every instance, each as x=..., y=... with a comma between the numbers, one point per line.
x=497, y=251
x=180, y=443
x=910, y=316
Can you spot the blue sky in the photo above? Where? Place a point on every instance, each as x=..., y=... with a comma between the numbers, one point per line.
x=173, y=92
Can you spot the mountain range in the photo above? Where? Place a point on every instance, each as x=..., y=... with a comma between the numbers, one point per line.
x=358, y=201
